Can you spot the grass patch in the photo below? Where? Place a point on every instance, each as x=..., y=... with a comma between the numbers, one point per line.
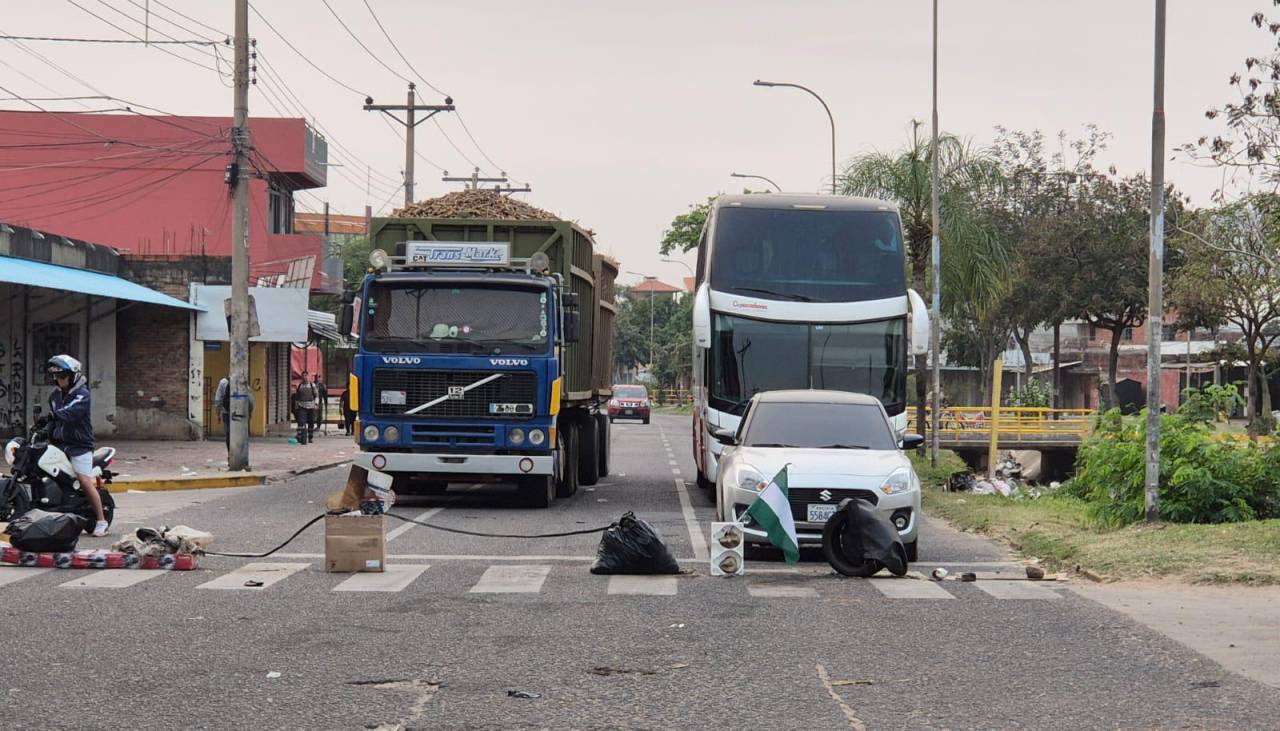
x=1059, y=531
x=948, y=463
x=684, y=410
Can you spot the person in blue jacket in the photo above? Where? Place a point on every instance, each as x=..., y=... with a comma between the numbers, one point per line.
x=73, y=428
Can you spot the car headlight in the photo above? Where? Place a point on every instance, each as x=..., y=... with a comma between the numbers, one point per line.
x=516, y=436
x=391, y=434
x=371, y=433
x=537, y=437
x=748, y=478
x=898, y=481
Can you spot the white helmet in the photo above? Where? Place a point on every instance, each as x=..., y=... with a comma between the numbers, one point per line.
x=64, y=364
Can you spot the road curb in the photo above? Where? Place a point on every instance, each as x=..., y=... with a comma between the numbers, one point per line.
x=306, y=470
x=164, y=484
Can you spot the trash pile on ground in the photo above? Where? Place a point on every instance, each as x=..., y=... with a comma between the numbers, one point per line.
x=474, y=203
x=178, y=540
x=46, y=540
x=633, y=547
x=1008, y=481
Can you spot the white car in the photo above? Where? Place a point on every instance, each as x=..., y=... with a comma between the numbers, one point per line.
x=835, y=445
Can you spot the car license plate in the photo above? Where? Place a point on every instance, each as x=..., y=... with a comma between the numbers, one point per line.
x=629, y=412
x=820, y=513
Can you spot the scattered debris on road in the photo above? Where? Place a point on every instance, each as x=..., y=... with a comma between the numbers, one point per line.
x=1035, y=573
x=523, y=694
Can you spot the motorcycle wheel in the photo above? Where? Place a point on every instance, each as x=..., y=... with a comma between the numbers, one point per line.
x=13, y=501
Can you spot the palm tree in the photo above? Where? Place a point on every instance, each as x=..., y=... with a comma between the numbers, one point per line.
x=974, y=259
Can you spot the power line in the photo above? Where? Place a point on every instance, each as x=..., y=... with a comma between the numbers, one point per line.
x=107, y=40
x=359, y=42
x=396, y=48
x=33, y=80
x=224, y=37
x=477, y=144
x=180, y=14
x=416, y=153
x=134, y=35
x=451, y=144
x=304, y=56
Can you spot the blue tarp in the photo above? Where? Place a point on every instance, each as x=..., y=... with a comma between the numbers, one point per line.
x=52, y=276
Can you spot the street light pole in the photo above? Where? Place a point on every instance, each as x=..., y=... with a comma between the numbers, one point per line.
x=830, y=118
x=677, y=261
x=757, y=177
x=935, y=324
x=1155, y=275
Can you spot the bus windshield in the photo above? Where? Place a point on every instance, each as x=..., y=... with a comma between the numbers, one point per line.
x=752, y=356
x=457, y=319
x=808, y=255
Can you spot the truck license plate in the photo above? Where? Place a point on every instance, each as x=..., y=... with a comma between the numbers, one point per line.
x=518, y=409
x=820, y=513
x=393, y=398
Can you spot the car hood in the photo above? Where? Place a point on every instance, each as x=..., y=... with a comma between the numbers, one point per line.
x=820, y=467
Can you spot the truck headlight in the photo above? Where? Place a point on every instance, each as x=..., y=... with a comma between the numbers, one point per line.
x=516, y=436
x=391, y=434
x=371, y=433
x=898, y=481
x=378, y=259
x=537, y=437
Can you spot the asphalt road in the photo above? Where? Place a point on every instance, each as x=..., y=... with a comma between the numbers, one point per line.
x=471, y=619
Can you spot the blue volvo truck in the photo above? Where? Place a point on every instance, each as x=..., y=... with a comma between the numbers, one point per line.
x=485, y=349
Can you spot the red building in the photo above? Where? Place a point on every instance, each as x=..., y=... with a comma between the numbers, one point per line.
x=150, y=185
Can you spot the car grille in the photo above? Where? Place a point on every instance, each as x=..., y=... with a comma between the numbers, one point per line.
x=801, y=497
x=421, y=386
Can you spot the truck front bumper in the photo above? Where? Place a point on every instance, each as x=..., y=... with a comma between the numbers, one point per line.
x=457, y=464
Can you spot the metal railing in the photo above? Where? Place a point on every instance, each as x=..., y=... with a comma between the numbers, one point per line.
x=1013, y=423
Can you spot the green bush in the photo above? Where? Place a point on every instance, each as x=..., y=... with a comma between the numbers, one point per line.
x=1202, y=480
x=1033, y=394
x=1210, y=403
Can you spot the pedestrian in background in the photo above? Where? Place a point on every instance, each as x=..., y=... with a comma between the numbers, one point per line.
x=222, y=400
x=322, y=397
x=348, y=413
x=305, y=405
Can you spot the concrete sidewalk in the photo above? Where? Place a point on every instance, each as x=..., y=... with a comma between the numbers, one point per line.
x=162, y=465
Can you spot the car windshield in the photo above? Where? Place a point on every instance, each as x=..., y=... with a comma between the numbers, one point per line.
x=818, y=425
x=808, y=255
x=630, y=392
x=459, y=319
x=864, y=357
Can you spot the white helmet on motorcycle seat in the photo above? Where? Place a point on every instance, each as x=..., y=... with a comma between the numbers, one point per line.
x=60, y=364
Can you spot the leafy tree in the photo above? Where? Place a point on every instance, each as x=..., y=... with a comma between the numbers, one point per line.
x=973, y=261
x=685, y=229
x=1232, y=274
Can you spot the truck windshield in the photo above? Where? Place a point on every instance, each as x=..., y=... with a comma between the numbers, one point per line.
x=808, y=255
x=455, y=319
x=752, y=356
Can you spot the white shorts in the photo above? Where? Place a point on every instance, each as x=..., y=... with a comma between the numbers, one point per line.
x=83, y=464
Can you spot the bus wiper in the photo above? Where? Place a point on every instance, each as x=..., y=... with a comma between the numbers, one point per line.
x=483, y=345
x=845, y=446
x=767, y=445
x=784, y=295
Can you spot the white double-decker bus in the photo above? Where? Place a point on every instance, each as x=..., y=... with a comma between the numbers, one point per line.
x=799, y=292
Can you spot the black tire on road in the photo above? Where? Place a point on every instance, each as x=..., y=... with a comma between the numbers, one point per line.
x=602, y=436
x=588, y=451
x=538, y=491
x=833, y=549
x=646, y=420
x=568, y=437
x=913, y=551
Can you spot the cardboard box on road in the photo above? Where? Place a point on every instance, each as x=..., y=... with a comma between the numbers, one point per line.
x=354, y=543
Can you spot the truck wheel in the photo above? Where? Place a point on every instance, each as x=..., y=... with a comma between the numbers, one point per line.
x=588, y=451
x=568, y=438
x=602, y=430
x=538, y=491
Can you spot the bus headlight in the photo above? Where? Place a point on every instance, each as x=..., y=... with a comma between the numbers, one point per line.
x=516, y=436
x=537, y=437
x=371, y=433
x=391, y=434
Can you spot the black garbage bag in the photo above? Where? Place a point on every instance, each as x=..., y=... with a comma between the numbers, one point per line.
x=859, y=541
x=633, y=547
x=39, y=531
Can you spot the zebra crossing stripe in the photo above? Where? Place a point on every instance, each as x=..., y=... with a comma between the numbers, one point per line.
x=111, y=579
x=1017, y=590
x=12, y=574
x=511, y=580
x=642, y=585
x=265, y=574
x=782, y=590
x=395, y=578
x=910, y=589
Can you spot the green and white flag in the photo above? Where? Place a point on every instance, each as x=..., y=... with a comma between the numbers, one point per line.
x=773, y=512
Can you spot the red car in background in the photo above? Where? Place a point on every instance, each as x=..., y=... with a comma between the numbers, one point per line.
x=629, y=402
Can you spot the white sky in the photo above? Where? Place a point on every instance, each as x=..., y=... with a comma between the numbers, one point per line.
x=621, y=114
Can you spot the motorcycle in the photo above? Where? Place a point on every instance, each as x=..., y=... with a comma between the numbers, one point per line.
x=41, y=476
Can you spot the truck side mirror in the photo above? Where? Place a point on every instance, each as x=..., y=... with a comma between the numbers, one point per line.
x=570, y=300
x=346, y=319
x=572, y=323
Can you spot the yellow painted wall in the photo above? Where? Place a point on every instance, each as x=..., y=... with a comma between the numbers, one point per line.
x=217, y=366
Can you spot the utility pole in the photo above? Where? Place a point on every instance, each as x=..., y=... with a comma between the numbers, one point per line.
x=237, y=178
x=473, y=181
x=935, y=253
x=410, y=122
x=1155, y=276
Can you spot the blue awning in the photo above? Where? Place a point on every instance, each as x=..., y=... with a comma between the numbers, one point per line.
x=84, y=281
